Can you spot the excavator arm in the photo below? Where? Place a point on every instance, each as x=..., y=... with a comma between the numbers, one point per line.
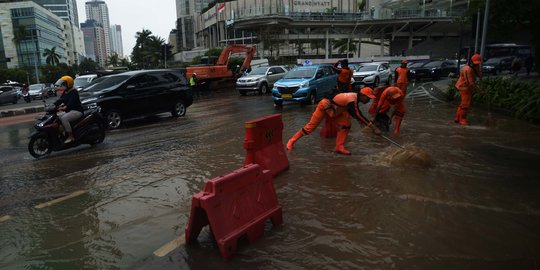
x=220, y=70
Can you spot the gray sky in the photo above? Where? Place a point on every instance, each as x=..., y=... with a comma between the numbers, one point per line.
x=158, y=16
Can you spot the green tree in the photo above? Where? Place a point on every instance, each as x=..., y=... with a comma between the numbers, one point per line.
x=345, y=45
x=88, y=65
x=113, y=60
x=317, y=44
x=51, y=57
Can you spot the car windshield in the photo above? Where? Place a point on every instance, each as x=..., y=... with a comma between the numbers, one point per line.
x=417, y=64
x=258, y=71
x=82, y=82
x=300, y=73
x=35, y=87
x=433, y=64
x=493, y=61
x=106, y=82
x=367, y=68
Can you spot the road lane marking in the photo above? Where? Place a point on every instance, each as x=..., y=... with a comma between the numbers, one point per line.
x=167, y=248
x=5, y=218
x=61, y=199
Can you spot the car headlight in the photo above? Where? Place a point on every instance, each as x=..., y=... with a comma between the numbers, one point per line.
x=303, y=85
x=413, y=71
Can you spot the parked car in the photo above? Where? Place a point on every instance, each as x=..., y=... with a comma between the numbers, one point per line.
x=434, y=70
x=38, y=90
x=137, y=93
x=372, y=74
x=497, y=65
x=260, y=79
x=305, y=84
x=8, y=94
x=83, y=81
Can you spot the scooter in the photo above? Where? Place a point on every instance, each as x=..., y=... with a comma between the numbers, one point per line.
x=89, y=129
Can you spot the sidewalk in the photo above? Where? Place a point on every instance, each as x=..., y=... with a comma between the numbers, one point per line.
x=20, y=111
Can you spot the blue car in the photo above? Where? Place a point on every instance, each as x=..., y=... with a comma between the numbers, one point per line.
x=305, y=84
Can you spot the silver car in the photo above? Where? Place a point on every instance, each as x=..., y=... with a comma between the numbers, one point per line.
x=260, y=79
x=373, y=74
x=38, y=90
x=8, y=94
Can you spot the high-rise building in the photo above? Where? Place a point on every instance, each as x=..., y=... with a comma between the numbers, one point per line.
x=97, y=10
x=185, y=12
x=65, y=9
x=27, y=29
x=116, y=40
x=94, y=41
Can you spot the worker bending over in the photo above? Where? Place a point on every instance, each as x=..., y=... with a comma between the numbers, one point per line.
x=390, y=97
x=341, y=108
x=466, y=85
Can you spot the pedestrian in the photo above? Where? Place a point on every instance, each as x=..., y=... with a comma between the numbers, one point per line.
x=341, y=108
x=390, y=97
x=401, y=76
x=466, y=85
x=516, y=65
x=194, y=84
x=529, y=61
x=345, y=74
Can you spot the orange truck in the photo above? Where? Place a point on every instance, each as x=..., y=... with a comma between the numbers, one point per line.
x=220, y=69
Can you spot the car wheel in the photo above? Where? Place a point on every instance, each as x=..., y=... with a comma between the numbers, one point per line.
x=311, y=99
x=242, y=92
x=278, y=103
x=263, y=90
x=40, y=146
x=376, y=82
x=179, y=109
x=114, y=119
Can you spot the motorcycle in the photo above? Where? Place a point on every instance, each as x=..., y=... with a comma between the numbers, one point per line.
x=26, y=95
x=89, y=129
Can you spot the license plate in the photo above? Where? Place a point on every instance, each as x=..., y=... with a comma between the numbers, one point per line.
x=286, y=96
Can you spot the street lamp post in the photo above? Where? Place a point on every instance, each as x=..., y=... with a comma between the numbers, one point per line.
x=34, y=40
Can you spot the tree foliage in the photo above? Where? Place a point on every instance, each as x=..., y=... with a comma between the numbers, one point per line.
x=149, y=50
x=51, y=57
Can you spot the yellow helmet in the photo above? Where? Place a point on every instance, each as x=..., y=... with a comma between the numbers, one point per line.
x=65, y=81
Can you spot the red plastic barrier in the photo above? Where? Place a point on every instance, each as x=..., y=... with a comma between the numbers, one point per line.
x=234, y=205
x=264, y=144
x=329, y=129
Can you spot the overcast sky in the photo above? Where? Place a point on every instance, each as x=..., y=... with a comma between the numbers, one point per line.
x=158, y=16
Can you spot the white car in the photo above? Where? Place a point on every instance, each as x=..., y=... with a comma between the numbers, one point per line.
x=260, y=79
x=38, y=90
x=373, y=74
x=83, y=81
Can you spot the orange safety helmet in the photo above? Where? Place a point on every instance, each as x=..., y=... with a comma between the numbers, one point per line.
x=366, y=91
x=476, y=59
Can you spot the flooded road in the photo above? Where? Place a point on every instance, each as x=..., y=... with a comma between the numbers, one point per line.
x=477, y=207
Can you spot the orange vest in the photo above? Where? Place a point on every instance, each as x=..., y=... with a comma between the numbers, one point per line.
x=343, y=99
x=402, y=75
x=345, y=75
x=466, y=78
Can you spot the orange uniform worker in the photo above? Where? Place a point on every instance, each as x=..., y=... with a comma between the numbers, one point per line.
x=341, y=108
x=377, y=92
x=344, y=76
x=466, y=84
x=401, y=77
x=391, y=97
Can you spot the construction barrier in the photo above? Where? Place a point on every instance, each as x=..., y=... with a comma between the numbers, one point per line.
x=264, y=145
x=330, y=128
x=235, y=205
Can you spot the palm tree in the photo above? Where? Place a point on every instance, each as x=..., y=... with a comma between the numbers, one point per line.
x=345, y=45
x=113, y=60
x=51, y=57
x=317, y=44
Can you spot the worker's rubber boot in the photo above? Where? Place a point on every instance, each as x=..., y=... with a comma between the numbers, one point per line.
x=294, y=138
x=458, y=115
x=397, y=124
x=463, y=118
x=340, y=142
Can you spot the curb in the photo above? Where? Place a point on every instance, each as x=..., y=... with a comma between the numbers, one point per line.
x=21, y=111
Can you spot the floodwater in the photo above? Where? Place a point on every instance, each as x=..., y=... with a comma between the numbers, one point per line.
x=476, y=207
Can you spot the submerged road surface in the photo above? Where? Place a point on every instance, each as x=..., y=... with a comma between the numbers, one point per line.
x=113, y=205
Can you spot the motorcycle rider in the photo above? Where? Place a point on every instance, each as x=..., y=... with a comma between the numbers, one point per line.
x=70, y=103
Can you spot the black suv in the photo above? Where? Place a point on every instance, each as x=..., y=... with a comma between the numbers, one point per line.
x=137, y=93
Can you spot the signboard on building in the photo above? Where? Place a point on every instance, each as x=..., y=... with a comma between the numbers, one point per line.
x=311, y=5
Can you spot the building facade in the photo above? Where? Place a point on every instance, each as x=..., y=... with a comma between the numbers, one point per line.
x=116, y=40
x=326, y=28
x=94, y=41
x=28, y=29
x=97, y=10
x=186, y=11
x=65, y=9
